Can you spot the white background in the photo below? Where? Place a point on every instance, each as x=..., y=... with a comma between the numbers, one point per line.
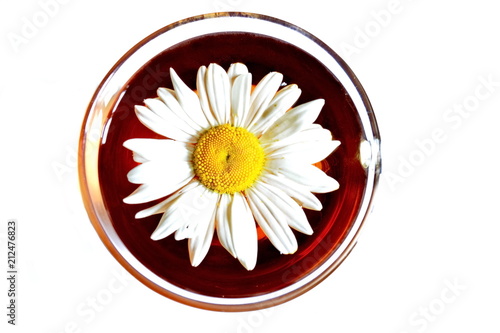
x=428, y=258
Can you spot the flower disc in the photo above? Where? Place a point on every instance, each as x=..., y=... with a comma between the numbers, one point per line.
x=228, y=159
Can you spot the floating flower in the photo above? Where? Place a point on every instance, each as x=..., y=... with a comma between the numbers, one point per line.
x=233, y=155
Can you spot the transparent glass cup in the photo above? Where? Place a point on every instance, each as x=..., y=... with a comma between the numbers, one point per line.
x=264, y=44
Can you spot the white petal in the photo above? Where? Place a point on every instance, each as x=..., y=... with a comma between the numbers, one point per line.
x=161, y=125
x=200, y=243
x=261, y=96
x=307, y=152
x=203, y=96
x=218, y=92
x=295, y=216
x=165, y=204
x=162, y=171
x=183, y=214
x=313, y=133
x=189, y=101
x=296, y=191
x=295, y=120
x=308, y=175
x=282, y=101
x=155, y=190
x=139, y=158
x=243, y=231
x=159, y=208
x=169, y=222
x=168, y=98
x=240, y=98
x=272, y=221
x=173, y=218
x=157, y=149
x=196, y=208
x=235, y=70
x=222, y=224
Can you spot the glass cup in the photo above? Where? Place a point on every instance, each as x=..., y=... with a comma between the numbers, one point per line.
x=264, y=44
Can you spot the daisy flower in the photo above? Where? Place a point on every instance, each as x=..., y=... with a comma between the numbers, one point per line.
x=234, y=155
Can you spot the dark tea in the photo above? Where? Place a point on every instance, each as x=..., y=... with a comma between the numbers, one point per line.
x=220, y=275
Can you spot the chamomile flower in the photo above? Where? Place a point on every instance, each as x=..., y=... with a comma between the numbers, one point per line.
x=235, y=156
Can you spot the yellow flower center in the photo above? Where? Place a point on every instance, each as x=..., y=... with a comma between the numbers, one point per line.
x=228, y=159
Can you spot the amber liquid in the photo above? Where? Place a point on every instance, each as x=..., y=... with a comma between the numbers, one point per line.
x=221, y=275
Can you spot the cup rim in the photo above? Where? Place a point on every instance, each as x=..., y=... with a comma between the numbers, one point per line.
x=101, y=105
